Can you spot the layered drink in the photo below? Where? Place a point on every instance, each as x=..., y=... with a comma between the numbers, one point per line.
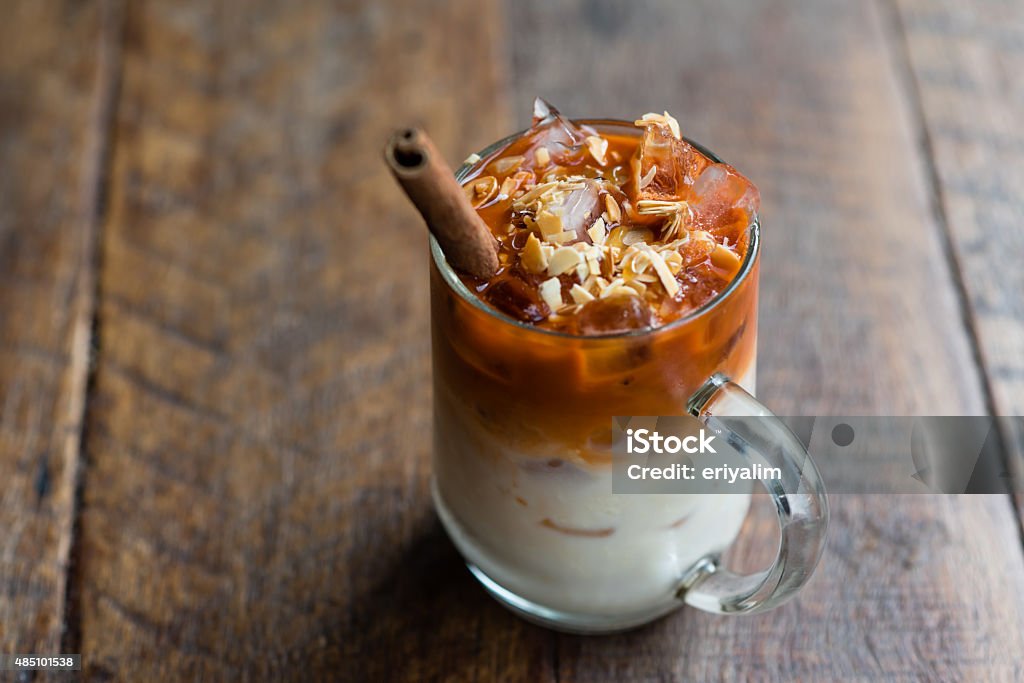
x=627, y=275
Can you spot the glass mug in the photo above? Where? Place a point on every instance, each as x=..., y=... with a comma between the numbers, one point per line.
x=522, y=457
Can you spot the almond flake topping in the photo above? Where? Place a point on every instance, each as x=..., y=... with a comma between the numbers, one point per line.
x=533, y=257
x=665, y=119
x=562, y=237
x=564, y=260
x=657, y=207
x=617, y=287
x=648, y=177
x=589, y=235
x=636, y=235
x=551, y=292
x=668, y=281
x=481, y=190
x=637, y=286
x=612, y=208
x=725, y=258
x=598, y=147
x=549, y=224
x=597, y=232
x=580, y=295
x=673, y=210
x=508, y=186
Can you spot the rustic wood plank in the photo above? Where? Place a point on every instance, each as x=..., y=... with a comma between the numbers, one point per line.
x=964, y=61
x=55, y=85
x=859, y=315
x=256, y=502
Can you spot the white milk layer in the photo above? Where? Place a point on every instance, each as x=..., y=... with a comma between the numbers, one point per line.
x=557, y=535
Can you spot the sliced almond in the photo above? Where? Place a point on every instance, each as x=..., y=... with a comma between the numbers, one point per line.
x=637, y=286
x=472, y=158
x=580, y=295
x=673, y=259
x=648, y=177
x=549, y=224
x=564, y=260
x=664, y=119
x=597, y=232
x=725, y=258
x=582, y=271
x=567, y=309
x=598, y=147
x=621, y=290
x=612, y=207
x=659, y=207
x=533, y=195
x=481, y=190
x=562, y=237
x=551, y=292
x=613, y=285
x=533, y=257
x=542, y=156
x=508, y=186
x=673, y=126
x=668, y=281
x=635, y=264
x=637, y=235
x=673, y=227
x=614, y=238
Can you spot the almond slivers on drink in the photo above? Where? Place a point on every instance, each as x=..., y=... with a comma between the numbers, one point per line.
x=575, y=206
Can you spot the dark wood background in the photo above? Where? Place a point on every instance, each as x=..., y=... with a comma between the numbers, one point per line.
x=214, y=359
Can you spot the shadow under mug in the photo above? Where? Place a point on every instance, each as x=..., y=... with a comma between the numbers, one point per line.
x=522, y=456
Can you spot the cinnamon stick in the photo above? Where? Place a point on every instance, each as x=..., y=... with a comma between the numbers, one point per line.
x=418, y=167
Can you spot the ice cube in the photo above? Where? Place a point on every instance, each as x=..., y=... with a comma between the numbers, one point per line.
x=579, y=209
x=665, y=167
x=614, y=314
x=563, y=139
x=723, y=202
x=512, y=295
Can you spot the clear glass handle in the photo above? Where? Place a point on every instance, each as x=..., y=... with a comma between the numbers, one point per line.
x=799, y=498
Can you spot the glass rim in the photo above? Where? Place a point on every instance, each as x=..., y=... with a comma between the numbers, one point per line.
x=459, y=287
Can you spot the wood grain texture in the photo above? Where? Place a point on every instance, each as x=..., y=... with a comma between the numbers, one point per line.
x=255, y=505
x=255, y=501
x=859, y=315
x=965, y=61
x=54, y=85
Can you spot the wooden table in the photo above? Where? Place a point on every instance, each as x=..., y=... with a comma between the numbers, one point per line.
x=214, y=360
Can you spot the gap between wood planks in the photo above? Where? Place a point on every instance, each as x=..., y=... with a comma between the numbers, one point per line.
x=891, y=21
x=92, y=208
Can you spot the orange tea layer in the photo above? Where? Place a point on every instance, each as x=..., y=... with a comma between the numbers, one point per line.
x=604, y=233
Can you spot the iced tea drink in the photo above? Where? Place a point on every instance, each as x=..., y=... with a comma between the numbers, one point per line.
x=628, y=276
